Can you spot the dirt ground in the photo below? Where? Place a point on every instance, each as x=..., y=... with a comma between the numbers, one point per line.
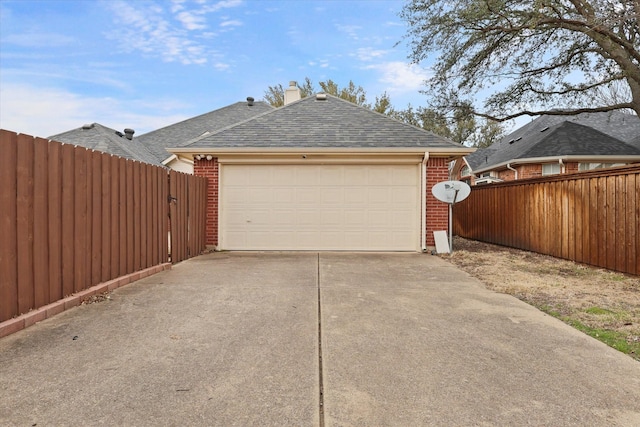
x=602, y=303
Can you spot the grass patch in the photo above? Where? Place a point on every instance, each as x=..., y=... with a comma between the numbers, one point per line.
x=621, y=341
x=598, y=311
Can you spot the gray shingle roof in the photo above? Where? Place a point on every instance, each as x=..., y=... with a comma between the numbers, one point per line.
x=322, y=123
x=606, y=134
x=177, y=134
x=101, y=138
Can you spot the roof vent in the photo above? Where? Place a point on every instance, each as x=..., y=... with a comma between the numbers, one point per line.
x=542, y=130
x=128, y=133
x=120, y=134
x=88, y=126
x=321, y=97
x=512, y=141
x=250, y=101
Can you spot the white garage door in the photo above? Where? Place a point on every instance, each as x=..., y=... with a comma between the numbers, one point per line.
x=320, y=207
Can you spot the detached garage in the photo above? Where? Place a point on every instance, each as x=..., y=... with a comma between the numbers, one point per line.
x=322, y=173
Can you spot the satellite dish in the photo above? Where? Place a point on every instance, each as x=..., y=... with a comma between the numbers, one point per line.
x=451, y=191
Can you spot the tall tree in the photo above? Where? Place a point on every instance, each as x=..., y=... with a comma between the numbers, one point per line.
x=553, y=55
x=383, y=105
x=351, y=93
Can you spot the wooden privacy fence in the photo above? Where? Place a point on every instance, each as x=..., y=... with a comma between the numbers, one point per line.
x=590, y=217
x=73, y=218
x=187, y=201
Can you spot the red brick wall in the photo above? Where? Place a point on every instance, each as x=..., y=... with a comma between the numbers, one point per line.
x=530, y=171
x=211, y=170
x=571, y=167
x=437, y=211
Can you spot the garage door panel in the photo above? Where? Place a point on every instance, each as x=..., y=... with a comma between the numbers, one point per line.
x=282, y=176
x=305, y=196
x=354, y=196
x=403, y=196
x=319, y=207
x=401, y=176
x=282, y=217
x=379, y=195
x=283, y=196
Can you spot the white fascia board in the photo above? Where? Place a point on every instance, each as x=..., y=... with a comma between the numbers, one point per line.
x=325, y=151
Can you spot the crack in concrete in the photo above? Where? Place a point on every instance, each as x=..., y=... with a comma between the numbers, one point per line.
x=320, y=373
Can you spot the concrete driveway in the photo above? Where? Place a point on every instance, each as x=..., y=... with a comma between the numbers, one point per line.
x=307, y=339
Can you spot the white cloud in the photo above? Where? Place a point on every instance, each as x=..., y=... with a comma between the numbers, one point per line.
x=191, y=21
x=174, y=34
x=350, y=30
x=221, y=66
x=231, y=23
x=400, y=77
x=58, y=111
x=368, y=53
x=220, y=5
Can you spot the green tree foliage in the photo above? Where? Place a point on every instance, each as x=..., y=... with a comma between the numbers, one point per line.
x=383, y=105
x=552, y=54
x=274, y=95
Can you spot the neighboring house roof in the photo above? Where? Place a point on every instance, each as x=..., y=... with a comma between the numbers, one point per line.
x=101, y=138
x=319, y=123
x=176, y=134
x=588, y=134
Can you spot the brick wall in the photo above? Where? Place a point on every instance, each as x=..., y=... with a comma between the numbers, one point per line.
x=437, y=211
x=211, y=170
x=571, y=167
x=532, y=171
x=529, y=171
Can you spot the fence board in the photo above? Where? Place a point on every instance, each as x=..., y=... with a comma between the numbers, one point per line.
x=123, y=215
x=136, y=215
x=633, y=223
x=54, y=193
x=95, y=217
x=41, y=222
x=24, y=222
x=8, y=242
x=620, y=213
x=80, y=219
x=68, y=209
x=579, y=219
x=114, y=229
x=164, y=219
x=591, y=217
x=106, y=227
x=155, y=211
x=610, y=222
x=129, y=235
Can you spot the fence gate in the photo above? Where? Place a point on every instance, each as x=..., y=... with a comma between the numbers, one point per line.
x=187, y=204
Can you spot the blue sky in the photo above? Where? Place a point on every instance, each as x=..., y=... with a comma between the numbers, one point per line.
x=147, y=64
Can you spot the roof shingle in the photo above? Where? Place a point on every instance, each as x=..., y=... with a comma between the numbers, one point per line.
x=101, y=138
x=332, y=122
x=605, y=134
x=177, y=134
